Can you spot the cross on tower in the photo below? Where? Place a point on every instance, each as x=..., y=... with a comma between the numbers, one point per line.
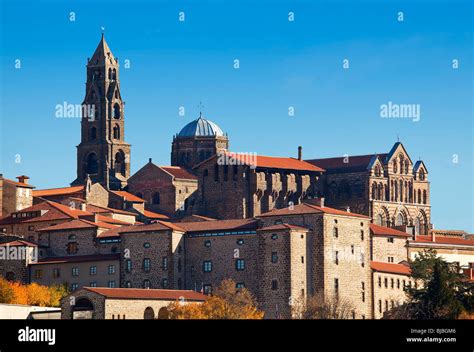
x=200, y=107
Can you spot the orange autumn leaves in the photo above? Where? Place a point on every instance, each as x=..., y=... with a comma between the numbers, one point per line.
x=32, y=294
x=227, y=302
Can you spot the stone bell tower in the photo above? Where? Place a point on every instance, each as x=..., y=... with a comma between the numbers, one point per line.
x=103, y=153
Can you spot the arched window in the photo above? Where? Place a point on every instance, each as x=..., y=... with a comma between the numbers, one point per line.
x=394, y=166
x=374, y=190
x=379, y=220
x=120, y=162
x=402, y=164
x=156, y=198
x=116, y=132
x=114, y=74
x=396, y=191
x=92, y=166
x=149, y=313
x=424, y=196
x=163, y=313
x=419, y=196
x=422, y=175
x=71, y=247
x=377, y=171
x=399, y=220
x=407, y=166
x=146, y=283
x=401, y=190
x=110, y=73
x=380, y=192
x=93, y=133
x=116, y=111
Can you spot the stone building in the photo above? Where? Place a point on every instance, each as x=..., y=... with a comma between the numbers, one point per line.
x=103, y=153
x=169, y=190
x=338, y=262
x=116, y=303
x=452, y=246
x=16, y=257
x=14, y=195
x=197, y=141
x=77, y=271
x=389, y=282
x=390, y=188
x=233, y=185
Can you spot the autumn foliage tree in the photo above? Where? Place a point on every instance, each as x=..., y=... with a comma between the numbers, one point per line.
x=226, y=302
x=32, y=294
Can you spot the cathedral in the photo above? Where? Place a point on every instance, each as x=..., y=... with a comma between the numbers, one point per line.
x=285, y=227
x=389, y=187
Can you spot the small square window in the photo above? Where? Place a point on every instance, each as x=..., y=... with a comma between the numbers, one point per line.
x=240, y=241
x=274, y=236
x=274, y=257
x=274, y=285
x=207, y=266
x=239, y=285
x=240, y=264
x=207, y=243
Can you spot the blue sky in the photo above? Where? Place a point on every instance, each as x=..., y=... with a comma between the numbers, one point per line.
x=282, y=64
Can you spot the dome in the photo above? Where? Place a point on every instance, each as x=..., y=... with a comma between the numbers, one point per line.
x=201, y=128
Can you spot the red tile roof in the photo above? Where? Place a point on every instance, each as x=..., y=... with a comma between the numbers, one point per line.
x=350, y=163
x=390, y=268
x=18, y=243
x=306, y=208
x=283, y=227
x=219, y=225
x=128, y=196
x=157, y=226
x=179, y=172
x=114, y=232
x=152, y=215
x=19, y=184
x=70, y=225
x=386, y=231
x=78, y=259
x=101, y=210
x=444, y=240
x=270, y=162
x=51, y=211
x=57, y=191
x=102, y=218
x=137, y=293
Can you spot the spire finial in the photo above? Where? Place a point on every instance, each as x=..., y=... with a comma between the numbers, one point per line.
x=200, y=106
x=398, y=138
x=102, y=28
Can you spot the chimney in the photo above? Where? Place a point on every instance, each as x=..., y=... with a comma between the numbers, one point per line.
x=23, y=179
x=300, y=152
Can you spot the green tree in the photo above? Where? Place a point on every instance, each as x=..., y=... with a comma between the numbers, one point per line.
x=442, y=292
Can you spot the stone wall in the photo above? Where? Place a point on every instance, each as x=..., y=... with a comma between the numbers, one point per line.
x=383, y=248
x=388, y=291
